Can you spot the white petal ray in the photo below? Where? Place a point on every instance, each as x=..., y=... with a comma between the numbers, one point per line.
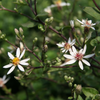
x=60, y=45
x=4, y=77
x=7, y=66
x=69, y=62
x=80, y=65
x=93, y=28
x=68, y=56
x=21, y=68
x=79, y=21
x=11, y=69
x=18, y=52
x=63, y=50
x=84, y=50
x=89, y=56
x=73, y=42
x=69, y=40
x=10, y=55
x=24, y=63
x=89, y=21
x=25, y=60
x=86, y=62
x=5, y=81
x=74, y=50
x=22, y=54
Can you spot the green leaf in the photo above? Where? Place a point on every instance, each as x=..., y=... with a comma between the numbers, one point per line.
x=29, y=24
x=98, y=38
x=93, y=12
x=94, y=42
x=41, y=15
x=89, y=92
x=79, y=97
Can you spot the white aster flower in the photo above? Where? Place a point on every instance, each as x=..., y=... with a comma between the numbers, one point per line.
x=77, y=56
x=65, y=46
x=59, y=3
x=87, y=23
x=16, y=61
x=3, y=81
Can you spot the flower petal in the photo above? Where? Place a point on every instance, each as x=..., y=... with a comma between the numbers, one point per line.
x=11, y=69
x=10, y=55
x=18, y=52
x=85, y=62
x=5, y=81
x=7, y=66
x=74, y=50
x=93, y=28
x=4, y=77
x=89, y=56
x=84, y=50
x=21, y=68
x=69, y=40
x=22, y=54
x=80, y=64
x=60, y=44
x=69, y=62
x=25, y=60
x=68, y=56
x=79, y=21
x=24, y=63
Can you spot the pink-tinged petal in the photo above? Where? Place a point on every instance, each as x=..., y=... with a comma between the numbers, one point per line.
x=89, y=56
x=10, y=55
x=68, y=56
x=7, y=66
x=18, y=52
x=22, y=54
x=79, y=21
x=84, y=50
x=80, y=64
x=25, y=60
x=85, y=62
x=69, y=40
x=69, y=62
x=21, y=68
x=11, y=69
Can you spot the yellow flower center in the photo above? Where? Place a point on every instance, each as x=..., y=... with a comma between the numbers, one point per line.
x=67, y=46
x=58, y=2
x=15, y=61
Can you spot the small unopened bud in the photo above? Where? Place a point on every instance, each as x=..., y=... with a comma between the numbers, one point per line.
x=16, y=31
x=66, y=77
x=72, y=23
x=17, y=78
x=16, y=9
x=35, y=38
x=75, y=85
x=21, y=30
x=51, y=19
x=70, y=84
x=46, y=47
x=78, y=89
x=21, y=1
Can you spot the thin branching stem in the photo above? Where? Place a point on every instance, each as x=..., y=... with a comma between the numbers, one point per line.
x=96, y=5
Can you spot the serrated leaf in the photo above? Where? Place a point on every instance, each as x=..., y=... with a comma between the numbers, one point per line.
x=93, y=12
x=29, y=24
x=89, y=92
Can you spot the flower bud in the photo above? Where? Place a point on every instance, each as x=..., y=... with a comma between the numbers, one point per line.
x=66, y=77
x=78, y=89
x=16, y=31
x=70, y=84
x=21, y=30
